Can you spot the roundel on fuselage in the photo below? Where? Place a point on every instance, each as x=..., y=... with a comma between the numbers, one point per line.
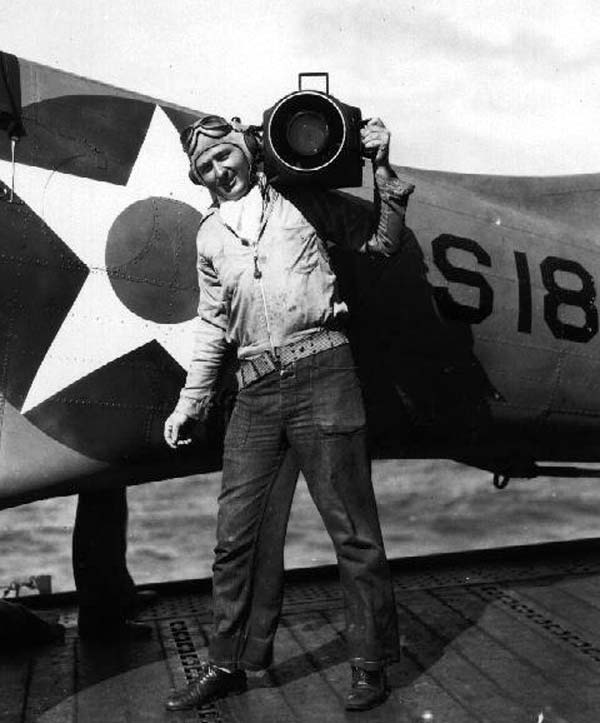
x=151, y=259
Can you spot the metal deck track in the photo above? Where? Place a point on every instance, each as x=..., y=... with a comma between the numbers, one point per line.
x=502, y=637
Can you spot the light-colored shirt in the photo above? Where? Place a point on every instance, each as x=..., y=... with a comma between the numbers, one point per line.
x=264, y=273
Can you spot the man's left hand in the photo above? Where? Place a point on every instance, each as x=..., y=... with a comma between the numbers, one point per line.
x=376, y=142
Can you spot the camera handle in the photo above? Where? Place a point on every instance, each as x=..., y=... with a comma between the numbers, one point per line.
x=314, y=75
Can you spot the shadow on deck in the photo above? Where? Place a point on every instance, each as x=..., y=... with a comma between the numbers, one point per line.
x=499, y=636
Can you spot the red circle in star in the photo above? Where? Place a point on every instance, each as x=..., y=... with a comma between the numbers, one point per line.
x=151, y=259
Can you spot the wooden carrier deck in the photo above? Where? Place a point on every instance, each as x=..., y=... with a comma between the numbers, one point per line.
x=505, y=636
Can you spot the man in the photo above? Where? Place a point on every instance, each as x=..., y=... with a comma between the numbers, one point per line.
x=266, y=285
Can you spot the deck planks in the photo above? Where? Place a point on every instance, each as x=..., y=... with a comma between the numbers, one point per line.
x=484, y=640
x=434, y=632
x=52, y=679
x=536, y=666
x=15, y=668
x=414, y=692
x=512, y=683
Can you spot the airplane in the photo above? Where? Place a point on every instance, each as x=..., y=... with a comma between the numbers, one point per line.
x=478, y=342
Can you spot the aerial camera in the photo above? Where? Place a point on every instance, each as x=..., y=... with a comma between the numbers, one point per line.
x=311, y=137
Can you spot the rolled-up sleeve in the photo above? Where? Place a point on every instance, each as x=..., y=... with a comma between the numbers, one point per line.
x=391, y=199
x=209, y=344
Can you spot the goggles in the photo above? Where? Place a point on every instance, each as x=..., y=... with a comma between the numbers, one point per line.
x=211, y=126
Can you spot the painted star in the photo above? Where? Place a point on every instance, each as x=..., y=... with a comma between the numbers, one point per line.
x=85, y=213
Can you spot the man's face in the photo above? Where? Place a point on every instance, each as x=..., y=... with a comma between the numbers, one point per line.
x=225, y=171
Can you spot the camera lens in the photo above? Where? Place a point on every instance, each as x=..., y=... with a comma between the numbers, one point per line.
x=306, y=130
x=307, y=133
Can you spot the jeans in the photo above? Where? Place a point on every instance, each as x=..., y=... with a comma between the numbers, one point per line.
x=313, y=406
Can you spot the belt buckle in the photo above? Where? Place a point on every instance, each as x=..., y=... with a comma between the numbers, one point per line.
x=276, y=357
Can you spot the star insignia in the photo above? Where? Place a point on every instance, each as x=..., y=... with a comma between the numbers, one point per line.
x=138, y=242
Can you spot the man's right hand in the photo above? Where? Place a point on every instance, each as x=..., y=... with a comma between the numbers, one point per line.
x=177, y=429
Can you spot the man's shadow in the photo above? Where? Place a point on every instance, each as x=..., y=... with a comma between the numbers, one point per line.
x=427, y=627
x=424, y=386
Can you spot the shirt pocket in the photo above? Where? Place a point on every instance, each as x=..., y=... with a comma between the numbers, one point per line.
x=232, y=265
x=301, y=250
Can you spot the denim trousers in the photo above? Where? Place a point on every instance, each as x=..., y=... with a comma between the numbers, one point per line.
x=308, y=415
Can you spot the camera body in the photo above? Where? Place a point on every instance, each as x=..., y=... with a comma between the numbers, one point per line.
x=310, y=137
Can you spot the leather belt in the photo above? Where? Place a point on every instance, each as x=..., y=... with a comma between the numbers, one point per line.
x=259, y=366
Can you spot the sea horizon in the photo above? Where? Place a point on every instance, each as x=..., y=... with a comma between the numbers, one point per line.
x=426, y=507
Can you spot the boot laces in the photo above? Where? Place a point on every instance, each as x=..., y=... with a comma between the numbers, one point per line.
x=362, y=677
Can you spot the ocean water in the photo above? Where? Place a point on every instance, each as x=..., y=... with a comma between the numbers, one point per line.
x=425, y=507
